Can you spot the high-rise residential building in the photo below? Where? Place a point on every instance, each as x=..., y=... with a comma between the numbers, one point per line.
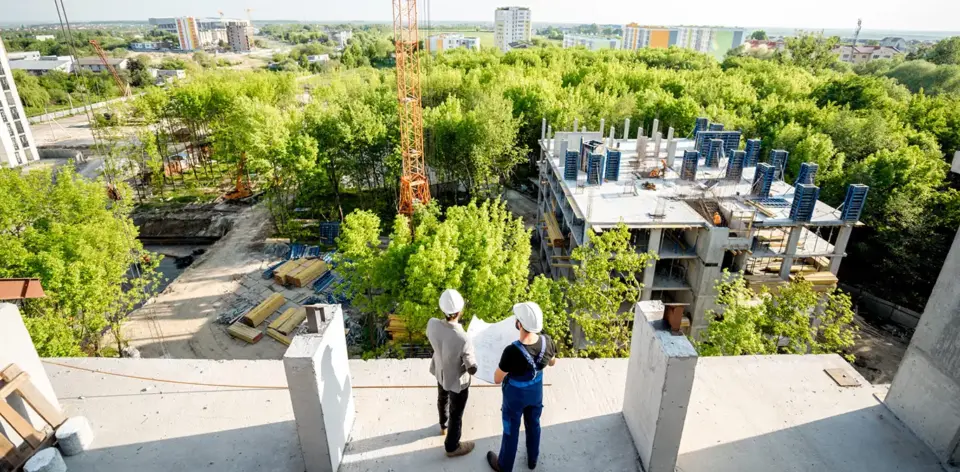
x=341, y=38
x=593, y=43
x=16, y=141
x=239, y=37
x=710, y=40
x=447, y=41
x=513, y=25
x=188, y=33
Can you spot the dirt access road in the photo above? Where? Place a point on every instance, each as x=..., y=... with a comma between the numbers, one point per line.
x=180, y=322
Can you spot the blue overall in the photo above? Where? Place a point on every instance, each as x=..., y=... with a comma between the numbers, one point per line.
x=522, y=396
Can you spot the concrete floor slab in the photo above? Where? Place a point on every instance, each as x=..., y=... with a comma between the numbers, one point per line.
x=746, y=414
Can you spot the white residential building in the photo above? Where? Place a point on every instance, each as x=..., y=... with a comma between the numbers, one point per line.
x=341, y=38
x=593, y=43
x=94, y=64
x=513, y=25
x=447, y=41
x=16, y=141
x=44, y=37
x=861, y=54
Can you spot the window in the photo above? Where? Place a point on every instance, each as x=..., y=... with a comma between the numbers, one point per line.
x=17, y=155
x=4, y=84
x=24, y=142
x=19, y=128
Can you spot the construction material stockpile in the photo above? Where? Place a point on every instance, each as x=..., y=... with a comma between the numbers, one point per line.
x=304, y=274
x=261, y=312
x=280, y=274
x=283, y=328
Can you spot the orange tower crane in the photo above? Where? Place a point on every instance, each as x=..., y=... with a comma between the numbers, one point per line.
x=124, y=88
x=414, y=187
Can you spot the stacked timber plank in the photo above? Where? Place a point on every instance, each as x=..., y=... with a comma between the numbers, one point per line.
x=280, y=274
x=822, y=281
x=306, y=273
x=261, y=312
x=769, y=281
x=244, y=332
x=399, y=332
x=554, y=235
x=283, y=327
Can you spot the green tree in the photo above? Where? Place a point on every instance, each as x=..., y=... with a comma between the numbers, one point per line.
x=83, y=248
x=759, y=35
x=946, y=51
x=606, y=276
x=737, y=330
x=813, y=52
x=32, y=94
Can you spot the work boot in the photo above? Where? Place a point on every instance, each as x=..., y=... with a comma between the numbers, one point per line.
x=463, y=449
x=443, y=431
x=531, y=464
x=493, y=460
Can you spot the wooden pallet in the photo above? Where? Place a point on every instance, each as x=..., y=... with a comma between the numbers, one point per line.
x=17, y=382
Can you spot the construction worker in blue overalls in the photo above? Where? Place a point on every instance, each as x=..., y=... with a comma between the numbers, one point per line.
x=521, y=374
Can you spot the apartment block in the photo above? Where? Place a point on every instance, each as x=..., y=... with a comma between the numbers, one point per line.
x=17, y=146
x=513, y=25
x=706, y=39
x=341, y=38
x=593, y=43
x=240, y=37
x=862, y=54
x=447, y=41
x=702, y=205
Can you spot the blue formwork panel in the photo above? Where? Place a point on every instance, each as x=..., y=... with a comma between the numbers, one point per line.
x=570, y=164
x=688, y=169
x=712, y=156
x=329, y=232
x=731, y=141
x=715, y=127
x=804, y=201
x=854, y=202
x=762, y=180
x=701, y=125
x=807, y=174
x=612, y=168
x=735, y=166
x=778, y=159
x=595, y=163
x=753, y=153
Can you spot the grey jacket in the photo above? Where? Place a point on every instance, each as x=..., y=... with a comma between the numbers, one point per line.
x=453, y=354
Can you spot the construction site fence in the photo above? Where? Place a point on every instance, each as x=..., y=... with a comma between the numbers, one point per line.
x=874, y=307
x=74, y=111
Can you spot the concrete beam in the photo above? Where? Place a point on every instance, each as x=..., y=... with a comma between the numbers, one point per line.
x=790, y=252
x=840, y=248
x=925, y=393
x=321, y=392
x=659, y=381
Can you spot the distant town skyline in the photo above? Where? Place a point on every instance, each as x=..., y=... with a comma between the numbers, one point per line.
x=917, y=15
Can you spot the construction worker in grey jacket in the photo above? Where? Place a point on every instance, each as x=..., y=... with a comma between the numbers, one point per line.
x=453, y=362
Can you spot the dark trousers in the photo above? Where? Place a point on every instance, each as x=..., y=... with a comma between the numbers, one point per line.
x=454, y=421
x=526, y=403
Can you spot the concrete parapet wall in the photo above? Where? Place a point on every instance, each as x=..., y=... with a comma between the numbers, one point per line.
x=16, y=347
x=321, y=392
x=660, y=378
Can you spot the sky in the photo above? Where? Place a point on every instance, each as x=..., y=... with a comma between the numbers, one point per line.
x=913, y=15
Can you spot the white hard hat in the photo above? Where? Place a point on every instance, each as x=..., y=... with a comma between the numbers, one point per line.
x=451, y=302
x=529, y=315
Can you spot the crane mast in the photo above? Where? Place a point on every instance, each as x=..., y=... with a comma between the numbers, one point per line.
x=414, y=186
x=124, y=88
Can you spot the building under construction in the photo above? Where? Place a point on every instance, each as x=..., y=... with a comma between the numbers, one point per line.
x=701, y=204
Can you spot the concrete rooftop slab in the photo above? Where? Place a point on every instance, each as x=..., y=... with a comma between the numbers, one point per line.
x=746, y=414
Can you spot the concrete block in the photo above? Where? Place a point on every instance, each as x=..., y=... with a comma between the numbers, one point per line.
x=47, y=460
x=16, y=347
x=660, y=378
x=321, y=392
x=74, y=436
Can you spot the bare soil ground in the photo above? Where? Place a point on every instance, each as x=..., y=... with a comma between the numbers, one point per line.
x=879, y=351
x=180, y=322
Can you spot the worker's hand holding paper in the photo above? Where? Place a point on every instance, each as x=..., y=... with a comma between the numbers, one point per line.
x=489, y=341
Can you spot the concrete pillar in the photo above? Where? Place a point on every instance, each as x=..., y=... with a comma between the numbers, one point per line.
x=549, y=138
x=840, y=248
x=656, y=146
x=671, y=152
x=660, y=377
x=576, y=126
x=626, y=129
x=321, y=392
x=543, y=129
x=602, y=125
x=16, y=347
x=642, y=147
x=656, y=235
x=669, y=133
x=613, y=135
x=655, y=127
x=925, y=394
x=790, y=252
